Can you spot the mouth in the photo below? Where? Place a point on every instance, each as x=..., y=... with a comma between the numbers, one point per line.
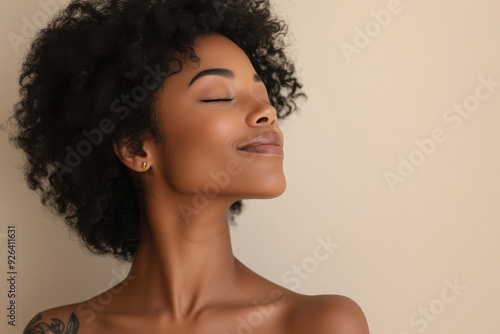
x=269, y=143
x=265, y=149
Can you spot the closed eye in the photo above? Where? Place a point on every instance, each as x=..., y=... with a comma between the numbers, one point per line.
x=218, y=100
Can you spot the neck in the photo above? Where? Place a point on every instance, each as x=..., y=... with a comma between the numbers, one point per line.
x=183, y=264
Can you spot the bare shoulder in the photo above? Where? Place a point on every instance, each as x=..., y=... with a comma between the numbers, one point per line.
x=328, y=314
x=60, y=319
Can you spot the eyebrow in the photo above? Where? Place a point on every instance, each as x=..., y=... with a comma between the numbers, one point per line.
x=222, y=72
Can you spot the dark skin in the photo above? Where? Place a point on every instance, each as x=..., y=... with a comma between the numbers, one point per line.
x=185, y=278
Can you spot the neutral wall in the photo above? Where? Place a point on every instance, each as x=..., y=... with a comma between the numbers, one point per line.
x=420, y=253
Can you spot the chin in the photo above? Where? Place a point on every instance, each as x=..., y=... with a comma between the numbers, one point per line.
x=269, y=187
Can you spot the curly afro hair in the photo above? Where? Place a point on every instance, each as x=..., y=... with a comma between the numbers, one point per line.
x=82, y=90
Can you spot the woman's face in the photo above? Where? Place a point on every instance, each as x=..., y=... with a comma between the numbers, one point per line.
x=202, y=138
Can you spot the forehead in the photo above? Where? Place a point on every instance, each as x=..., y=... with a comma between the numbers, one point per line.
x=214, y=51
x=215, y=48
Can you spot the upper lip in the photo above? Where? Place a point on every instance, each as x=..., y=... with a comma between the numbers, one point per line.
x=270, y=138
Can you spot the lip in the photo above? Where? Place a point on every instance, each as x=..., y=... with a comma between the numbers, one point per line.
x=269, y=143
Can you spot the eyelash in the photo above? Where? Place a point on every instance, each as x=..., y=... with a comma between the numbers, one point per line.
x=218, y=100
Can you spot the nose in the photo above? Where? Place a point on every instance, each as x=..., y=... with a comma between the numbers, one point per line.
x=263, y=115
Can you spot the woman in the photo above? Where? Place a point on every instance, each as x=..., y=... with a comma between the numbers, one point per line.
x=145, y=124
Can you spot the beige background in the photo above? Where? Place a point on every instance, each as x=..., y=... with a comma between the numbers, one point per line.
x=397, y=247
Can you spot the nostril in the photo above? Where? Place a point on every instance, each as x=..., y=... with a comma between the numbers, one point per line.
x=262, y=118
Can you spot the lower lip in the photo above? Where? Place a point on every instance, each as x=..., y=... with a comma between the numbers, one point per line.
x=266, y=149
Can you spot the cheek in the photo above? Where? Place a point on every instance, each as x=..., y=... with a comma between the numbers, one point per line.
x=199, y=149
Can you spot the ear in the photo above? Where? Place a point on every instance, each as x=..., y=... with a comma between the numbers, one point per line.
x=139, y=161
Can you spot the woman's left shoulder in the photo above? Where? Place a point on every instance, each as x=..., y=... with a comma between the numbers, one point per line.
x=328, y=314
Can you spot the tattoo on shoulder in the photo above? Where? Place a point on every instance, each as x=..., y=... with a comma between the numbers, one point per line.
x=35, y=326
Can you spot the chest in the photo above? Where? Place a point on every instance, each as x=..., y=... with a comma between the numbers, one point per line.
x=262, y=319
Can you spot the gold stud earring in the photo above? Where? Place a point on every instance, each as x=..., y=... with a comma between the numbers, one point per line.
x=144, y=165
